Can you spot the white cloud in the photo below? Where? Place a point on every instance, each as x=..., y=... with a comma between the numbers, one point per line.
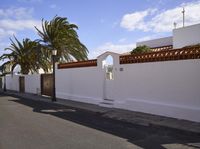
x=109, y=46
x=16, y=25
x=13, y=20
x=5, y=33
x=16, y=13
x=162, y=21
x=136, y=20
x=3, y=45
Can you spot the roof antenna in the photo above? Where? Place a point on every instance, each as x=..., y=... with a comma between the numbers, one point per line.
x=183, y=16
x=175, y=25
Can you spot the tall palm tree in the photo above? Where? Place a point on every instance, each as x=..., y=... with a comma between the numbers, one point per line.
x=4, y=68
x=27, y=55
x=59, y=34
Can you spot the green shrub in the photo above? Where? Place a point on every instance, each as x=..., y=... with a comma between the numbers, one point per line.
x=141, y=49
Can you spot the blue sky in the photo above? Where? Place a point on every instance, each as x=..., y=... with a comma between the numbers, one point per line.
x=104, y=25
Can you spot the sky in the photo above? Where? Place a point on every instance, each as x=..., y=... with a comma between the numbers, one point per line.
x=104, y=25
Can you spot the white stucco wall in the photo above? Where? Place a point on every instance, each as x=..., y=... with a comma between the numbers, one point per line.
x=32, y=84
x=185, y=36
x=156, y=42
x=168, y=88
x=12, y=82
x=82, y=84
x=86, y=84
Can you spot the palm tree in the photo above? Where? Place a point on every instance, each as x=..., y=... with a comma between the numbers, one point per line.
x=59, y=34
x=27, y=55
x=4, y=68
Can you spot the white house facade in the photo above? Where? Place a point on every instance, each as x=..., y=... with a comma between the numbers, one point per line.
x=181, y=37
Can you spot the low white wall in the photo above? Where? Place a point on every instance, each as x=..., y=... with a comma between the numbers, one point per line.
x=186, y=36
x=168, y=88
x=32, y=84
x=12, y=82
x=156, y=42
x=82, y=84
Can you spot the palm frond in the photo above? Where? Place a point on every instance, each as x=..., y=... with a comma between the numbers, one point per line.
x=61, y=35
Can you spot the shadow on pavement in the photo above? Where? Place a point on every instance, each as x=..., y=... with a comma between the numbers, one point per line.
x=143, y=136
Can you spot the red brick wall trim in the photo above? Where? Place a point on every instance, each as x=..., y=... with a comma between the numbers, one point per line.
x=88, y=63
x=168, y=55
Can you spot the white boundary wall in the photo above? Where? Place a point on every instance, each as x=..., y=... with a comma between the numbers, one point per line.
x=12, y=82
x=32, y=84
x=82, y=84
x=169, y=88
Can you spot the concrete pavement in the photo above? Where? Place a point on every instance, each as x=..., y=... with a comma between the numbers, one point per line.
x=120, y=114
x=26, y=123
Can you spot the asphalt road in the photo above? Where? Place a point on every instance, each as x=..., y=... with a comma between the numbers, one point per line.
x=27, y=124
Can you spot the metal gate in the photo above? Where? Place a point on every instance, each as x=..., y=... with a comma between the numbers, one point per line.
x=1, y=83
x=21, y=84
x=47, y=84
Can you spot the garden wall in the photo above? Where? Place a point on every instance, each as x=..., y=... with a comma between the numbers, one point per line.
x=158, y=83
x=12, y=82
x=168, y=88
x=83, y=84
x=164, y=83
x=32, y=84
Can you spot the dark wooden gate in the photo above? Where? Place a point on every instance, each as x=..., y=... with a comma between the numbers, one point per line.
x=21, y=84
x=1, y=83
x=47, y=84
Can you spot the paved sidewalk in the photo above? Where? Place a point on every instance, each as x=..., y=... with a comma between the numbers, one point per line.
x=119, y=114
